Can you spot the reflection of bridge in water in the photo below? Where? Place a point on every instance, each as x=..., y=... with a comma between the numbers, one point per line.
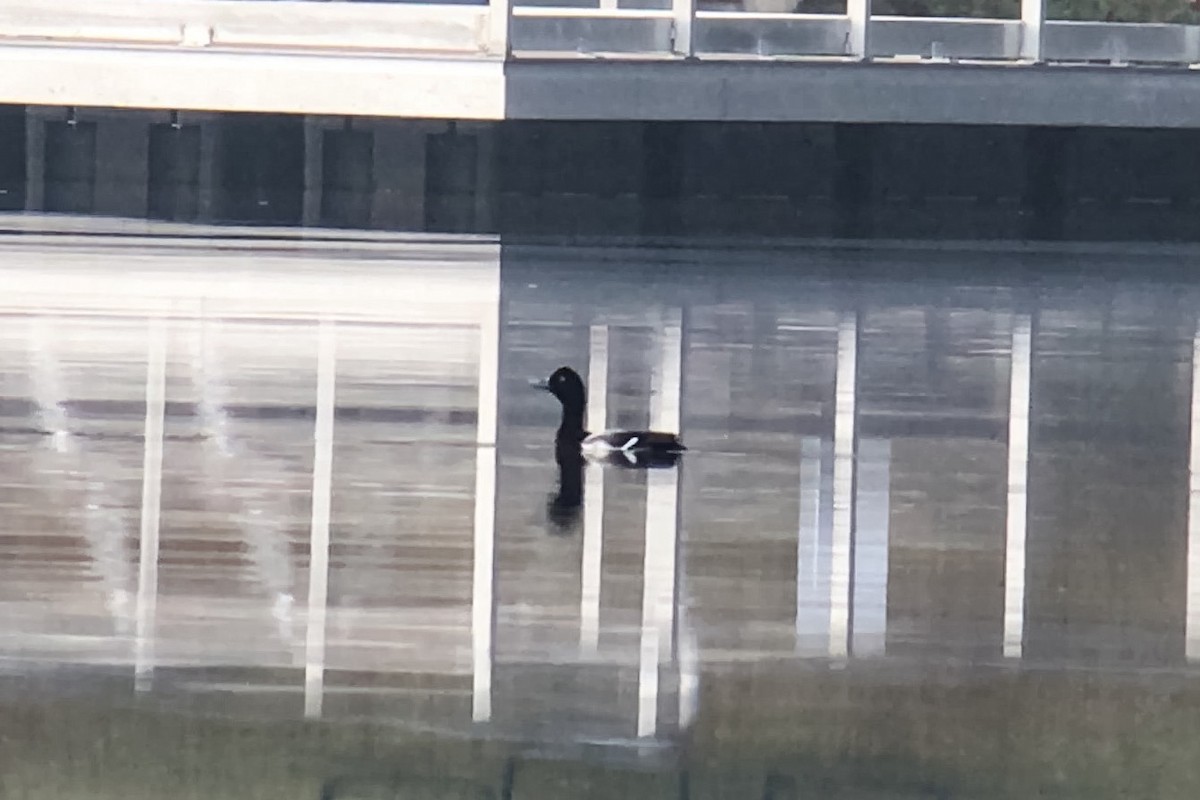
x=295, y=469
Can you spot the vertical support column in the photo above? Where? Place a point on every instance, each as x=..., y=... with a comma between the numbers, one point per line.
x=122, y=165
x=451, y=180
x=206, y=204
x=35, y=161
x=1033, y=22
x=684, y=22
x=486, y=190
x=662, y=528
x=858, y=40
x=593, y=497
x=398, y=202
x=14, y=158
x=1020, y=396
x=1047, y=181
x=173, y=172
x=500, y=27
x=664, y=162
x=322, y=495
x=483, y=589
x=853, y=178
x=314, y=135
x=845, y=434
x=347, y=188
x=152, y=457
x=70, y=178
x=1192, y=625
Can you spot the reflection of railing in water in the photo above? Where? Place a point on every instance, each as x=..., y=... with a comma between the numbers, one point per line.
x=223, y=453
x=847, y=631
x=262, y=526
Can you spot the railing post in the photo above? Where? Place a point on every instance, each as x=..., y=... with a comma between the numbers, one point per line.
x=684, y=21
x=593, y=497
x=152, y=462
x=858, y=41
x=1033, y=20
x=483, y=575
x=318, y=540
x=500, y=27
x=845, y=489
x=1192, y=602
x=660, y=565
x=1017, y=515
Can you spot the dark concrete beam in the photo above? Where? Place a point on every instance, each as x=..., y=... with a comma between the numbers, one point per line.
x=974, y=94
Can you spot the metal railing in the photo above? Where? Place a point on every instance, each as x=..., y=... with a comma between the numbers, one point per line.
x=686, y=29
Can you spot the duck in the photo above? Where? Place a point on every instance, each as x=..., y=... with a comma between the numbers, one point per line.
x=639, y=449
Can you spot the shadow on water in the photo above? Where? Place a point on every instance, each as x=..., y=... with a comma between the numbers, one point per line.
x=277, y=520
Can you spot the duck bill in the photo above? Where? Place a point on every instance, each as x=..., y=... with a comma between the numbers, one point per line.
x=540, y=384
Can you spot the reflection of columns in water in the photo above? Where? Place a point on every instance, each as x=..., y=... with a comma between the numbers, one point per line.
x=662, y=528
x=48, y=394
x=866, y=615
x=1192, y=625
x=104, y=528
x=147, y=593
x=262, y=529
x=842, y=542
x=812, y=546
x=318, y=549
x=868, y=608
x=483, y=597
x=844, y=445
x=593, y=497
x=213, y=417
x=1018, y=471
x=105, y=531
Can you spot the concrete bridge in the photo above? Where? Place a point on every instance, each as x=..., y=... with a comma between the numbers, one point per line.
x=643, y=60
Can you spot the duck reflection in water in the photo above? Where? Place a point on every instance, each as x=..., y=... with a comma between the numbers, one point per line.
x=574, y=446
x=564, y=506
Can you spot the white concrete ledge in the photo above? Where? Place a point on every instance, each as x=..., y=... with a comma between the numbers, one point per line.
x=384, y=26
x=421, y=86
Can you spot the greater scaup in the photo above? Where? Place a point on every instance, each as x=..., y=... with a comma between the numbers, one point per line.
x=623, y=448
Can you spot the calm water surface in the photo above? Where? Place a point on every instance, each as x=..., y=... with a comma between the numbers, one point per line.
x=282, y=519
